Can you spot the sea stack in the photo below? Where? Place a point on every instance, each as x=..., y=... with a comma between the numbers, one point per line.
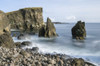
x=5, y=37
x=49, y=30
x=79, y=31
x=26, y=19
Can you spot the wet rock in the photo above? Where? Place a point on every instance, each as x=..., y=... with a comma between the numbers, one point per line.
x=26, y=43
x=48, y=30
x=35, y=49
x=78, y=31
x=21, y=36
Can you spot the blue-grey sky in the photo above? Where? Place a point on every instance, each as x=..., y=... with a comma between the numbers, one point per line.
x=59, y=10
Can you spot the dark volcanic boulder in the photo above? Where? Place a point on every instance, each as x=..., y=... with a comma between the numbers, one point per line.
x=78, y=31
x=26, y=19
x=48, y=30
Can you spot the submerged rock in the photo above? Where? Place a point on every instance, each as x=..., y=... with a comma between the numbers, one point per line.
x=78, y=31
x=26, y=19
x=48, y=30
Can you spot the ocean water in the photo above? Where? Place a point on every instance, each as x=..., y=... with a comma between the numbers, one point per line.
x=89, y=49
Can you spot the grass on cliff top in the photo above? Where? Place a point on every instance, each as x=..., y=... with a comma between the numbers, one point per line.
x=25, y=9
x=33, y=8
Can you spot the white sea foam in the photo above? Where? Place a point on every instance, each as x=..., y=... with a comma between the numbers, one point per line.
x=96, y=41
x=90, y=36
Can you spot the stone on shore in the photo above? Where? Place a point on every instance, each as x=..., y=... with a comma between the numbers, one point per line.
x=20, y=57
x=48, y=30
x=79, y=31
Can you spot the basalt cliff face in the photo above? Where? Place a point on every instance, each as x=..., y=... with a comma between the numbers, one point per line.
x=27, y=19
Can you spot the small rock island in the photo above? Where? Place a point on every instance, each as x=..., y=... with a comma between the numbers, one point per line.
x=79, y=31
x=49, y=30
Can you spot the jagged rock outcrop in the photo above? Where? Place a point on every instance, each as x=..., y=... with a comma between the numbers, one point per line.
x=4, y=24
x=27, y=19
x=5, y=38
x=78, y=31
x=48, y=30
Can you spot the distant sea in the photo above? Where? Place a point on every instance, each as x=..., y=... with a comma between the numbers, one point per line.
x=88, y=49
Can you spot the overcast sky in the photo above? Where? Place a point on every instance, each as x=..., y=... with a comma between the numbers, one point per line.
x=59, y=10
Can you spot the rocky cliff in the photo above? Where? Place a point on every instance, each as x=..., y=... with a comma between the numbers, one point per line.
x=4, y=24
x=27, y=19
x=5, y=38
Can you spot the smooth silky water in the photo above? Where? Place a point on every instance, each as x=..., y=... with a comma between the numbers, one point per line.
x=89, y=49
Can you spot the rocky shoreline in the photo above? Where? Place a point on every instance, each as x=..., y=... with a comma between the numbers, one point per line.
x=29, y=20
x=21, y=57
